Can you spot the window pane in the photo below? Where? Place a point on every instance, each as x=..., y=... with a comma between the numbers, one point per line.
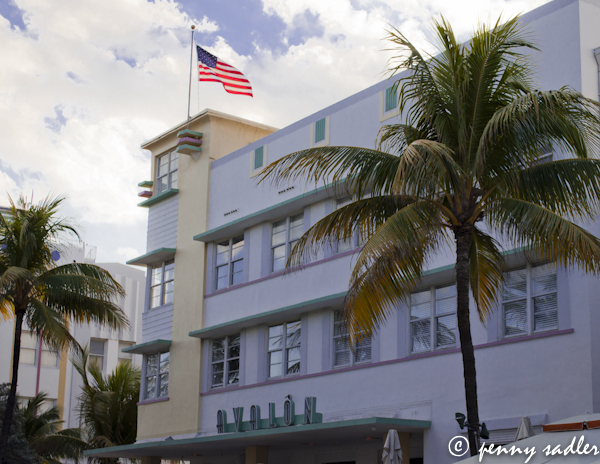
x=420, y=305
x=544, y=278
x=296, y=226
x=155, y=297
x=168, y=292
x=218, y=349
x=279, y=229
x=275, y=359
x=150, y=387
x=445, y=300
x=293, y=358
x=545, y=312
x=233, y=377
x=152, y=364
x=173, y=179
x=258, y=157
x=293, y=333
x=237, y=248
x=164, y=362
x=217, y=377
x=238, y=266
x=341, y=358
x=275, y=370
x=164, y=384
x=174, y=160
x=29, y=340
x=279, y=258
x=27, y=356
x=96, y=360
x=162, y=184
x=421, y=335
x=342, y=344
x=515, y=285
x=363, y=353
x=49, y=358
x=234, y=346
x=515, y=317
x=163, y=166
x=446, y=330
x=97, y=347
x=276, y=337
x=222, y=253
x=169, y=271
x=233, y=365
x=156, y=275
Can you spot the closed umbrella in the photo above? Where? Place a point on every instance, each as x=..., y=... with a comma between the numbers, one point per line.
x=392, y=454
x=525, y=429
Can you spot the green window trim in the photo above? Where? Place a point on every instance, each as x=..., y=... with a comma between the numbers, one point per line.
x=259, y=158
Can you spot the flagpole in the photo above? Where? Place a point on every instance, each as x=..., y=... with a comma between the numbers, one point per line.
x=191, y=69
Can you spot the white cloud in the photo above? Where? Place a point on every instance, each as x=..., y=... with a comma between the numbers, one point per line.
x=118, y=70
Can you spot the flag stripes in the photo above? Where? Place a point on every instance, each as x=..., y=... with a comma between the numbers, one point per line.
x=211, y=69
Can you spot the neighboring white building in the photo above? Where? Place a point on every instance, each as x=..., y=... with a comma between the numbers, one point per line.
x=52, y=372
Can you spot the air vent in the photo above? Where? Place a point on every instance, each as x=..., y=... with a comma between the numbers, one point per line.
x=230, y=212
x=286, y=190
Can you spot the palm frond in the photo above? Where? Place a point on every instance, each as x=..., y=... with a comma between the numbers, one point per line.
x=50, y=324
x=486, y=272
x=531, y=226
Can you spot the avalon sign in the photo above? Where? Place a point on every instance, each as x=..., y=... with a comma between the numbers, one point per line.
x=310, y=416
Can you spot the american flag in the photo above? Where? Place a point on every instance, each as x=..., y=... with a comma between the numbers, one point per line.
x=212, y=69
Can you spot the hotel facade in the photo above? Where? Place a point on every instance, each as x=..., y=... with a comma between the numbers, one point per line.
x=246, y=364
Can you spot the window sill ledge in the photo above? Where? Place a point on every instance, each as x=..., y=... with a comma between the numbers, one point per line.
x=154, y=400
x=158, y=198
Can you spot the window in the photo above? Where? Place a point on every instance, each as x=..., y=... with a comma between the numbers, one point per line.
x=97, y=353
x=29, y=344
x=342, y=354
x=433, y=318
x=161, y=284
x=285, y=234
x=166, y=172
x=124, y=358
x=258, y=158
x=529, y=301
x=284, y=349
x=157, y=375
x=49, y=356
x=356, y=240
x=391, y=98
x=320, y=130
x=225, y=363
x=230, y=262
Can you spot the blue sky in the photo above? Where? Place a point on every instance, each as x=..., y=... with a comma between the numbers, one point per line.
x=84, y=83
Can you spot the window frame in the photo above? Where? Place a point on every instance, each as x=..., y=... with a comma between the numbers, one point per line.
x=313, y=133
x=284, y=349
x=288, y=243
x=356, y=241
x=230, y=263
x=157, y=375
x=46, y=350
x=530, y=295
x=225, y=361
x=162, y=284
x=35, y=349
x=320, y=130
x=352, y=353
x=103, y=355
x=173, y=159
x=433, y=320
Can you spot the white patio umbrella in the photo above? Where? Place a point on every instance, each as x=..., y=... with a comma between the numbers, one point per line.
x=525, y=429
x=392, y=454
x=562, y=434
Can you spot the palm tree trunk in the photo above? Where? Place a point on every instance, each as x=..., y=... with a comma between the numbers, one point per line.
x=463, y=240
x=12, y=396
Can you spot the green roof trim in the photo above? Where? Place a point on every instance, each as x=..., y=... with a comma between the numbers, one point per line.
x=186, y=149
x=164, y=446
x=154, y=256
x=252, y=320
x=146, y=183
x=158, y=198
x=189, y=133
x=148, y=347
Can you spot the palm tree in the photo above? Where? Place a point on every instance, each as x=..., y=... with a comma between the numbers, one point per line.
x=107, y=404
x=45, y=296
x=44, y=436
x=463, y=168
